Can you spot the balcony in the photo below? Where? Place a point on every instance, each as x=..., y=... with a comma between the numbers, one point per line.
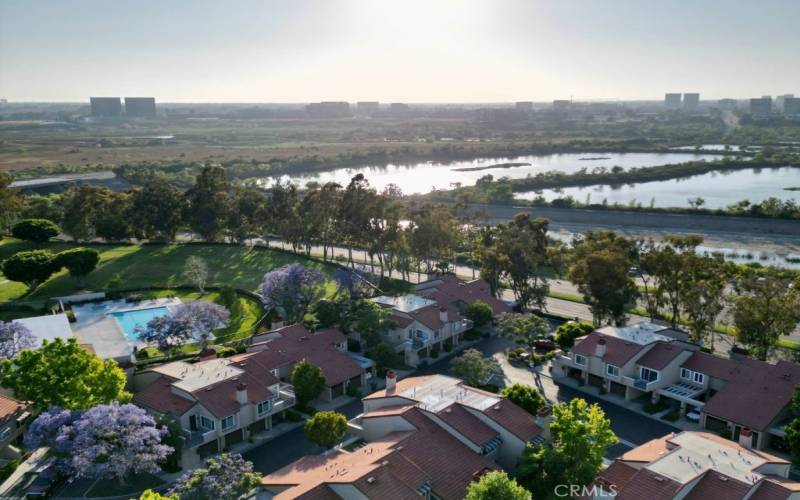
x=639, y=383
x=197, y=438
x=286, y=398
x=462, y=326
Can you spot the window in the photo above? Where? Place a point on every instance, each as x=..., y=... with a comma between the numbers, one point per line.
x=206, y=422
x=274, y=372
x=612, y=370
x=686, y=374
x=699, y=378
x=696, y=377
x=227, y=422
x=580, y=360
x=648, y=374
x=263, y=407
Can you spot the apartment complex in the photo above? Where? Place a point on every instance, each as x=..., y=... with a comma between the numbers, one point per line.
x=426, y=437
x=691, y=101
x=747, y=397
x=761, y=107
x=14, y=416
x=672, y=100
x=140, y=107
x=432, y=319
x=105, y=106
x=695, y=465
x=221, y=402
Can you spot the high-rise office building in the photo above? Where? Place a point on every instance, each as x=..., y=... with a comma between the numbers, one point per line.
x=140, y=107
x=561, y=104
x=367, y=107
x=780, y=100
x=672, y=101
x=761, y=107
x=329, y=109
x=727, y=104
x=523, y=106
x=691, y=101
x=105, y=106
x=791, y=107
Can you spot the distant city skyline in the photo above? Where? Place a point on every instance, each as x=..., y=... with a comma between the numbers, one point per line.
x=280, y=51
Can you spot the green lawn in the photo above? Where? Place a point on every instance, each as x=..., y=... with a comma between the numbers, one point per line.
x=156, y=265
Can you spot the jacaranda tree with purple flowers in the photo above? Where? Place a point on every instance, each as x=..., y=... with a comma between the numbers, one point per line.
x=166, y=331
x=204, y=317
x=14, y=337
x=291, y=289
x=105, y=441
x=225, y=476
x=356, y=282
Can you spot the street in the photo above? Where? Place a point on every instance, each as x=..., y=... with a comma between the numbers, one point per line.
x=632, y=428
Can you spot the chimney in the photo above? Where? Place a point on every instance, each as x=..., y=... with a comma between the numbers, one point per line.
x=391, y=380
x=746, y=438
x=600, y=348
x=241, y=393
x=278, y=322
x=443, y=315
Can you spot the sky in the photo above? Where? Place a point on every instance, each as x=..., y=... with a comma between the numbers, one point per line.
x=401, y=50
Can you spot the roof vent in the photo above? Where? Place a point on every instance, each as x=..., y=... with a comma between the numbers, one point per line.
x=370, y=480
x=659, y=479
x=448, y=410
x=496, y=408
x=722, y=478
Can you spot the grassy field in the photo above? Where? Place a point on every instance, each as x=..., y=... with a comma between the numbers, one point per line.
x=139, y=266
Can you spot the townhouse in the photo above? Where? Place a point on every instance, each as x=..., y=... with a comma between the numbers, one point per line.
x=432, y=320
x=428, y=437
x=221, y=402
x=695, y=465
x=747, y=398
x=14, y=416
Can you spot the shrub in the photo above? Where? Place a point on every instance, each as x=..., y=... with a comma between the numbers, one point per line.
x=725, y=433
x=567, y=333
x=35, y=230
x=480, y=313
x=435, y=352
x=226, y=352
x=448, y=347
x=651, y=407
x=353, y=391
x=293, y=416
x=525, y=396
x=8, y=469
x=672, y=416
x=471, y=335
x=228, y=296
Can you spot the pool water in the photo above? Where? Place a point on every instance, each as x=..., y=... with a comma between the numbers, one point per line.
x=129, y=320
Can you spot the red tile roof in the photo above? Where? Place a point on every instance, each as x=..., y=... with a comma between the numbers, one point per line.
x=449, y=289
x=518, y=421
x=617, y=475
x=715, y=486
x=220, y=398
x=467, y=424
x=10, y=407
x=769, y=489
x=660, y=355
x=618, y=351
x=158, y=396
x=650, y=486
x=712, y=366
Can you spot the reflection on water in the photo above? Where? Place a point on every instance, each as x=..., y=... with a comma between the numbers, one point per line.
x=718, y=189
x=426, y=176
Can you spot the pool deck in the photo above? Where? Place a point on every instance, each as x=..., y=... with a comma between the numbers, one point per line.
x=94, y=326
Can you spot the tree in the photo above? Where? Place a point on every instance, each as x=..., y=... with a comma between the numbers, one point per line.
x=326, y=428
x=79, y=262
x=10, y=202
x=384, y=356
x=224, y=476
x=600, y=269
x=291, y=289
x=62, y=373
x=703, y=297
x=581, y=435
x=496, y=485
x=368, y=319
x=473, y=368
x=105, y=441
x=480, y=313
x=567, y=333
x=792, y=430
x=308, y=381
x=202, y=317
x=82, y=204
x=524, y=329
x=14, y=337
x=35, y=230
x=767, y=308
x=196, y=271
x=154, y=495
x=208, y=203
x=168, y=332
x=524, y=396
x=30, y=267
x=520, y=252
x=159, y=207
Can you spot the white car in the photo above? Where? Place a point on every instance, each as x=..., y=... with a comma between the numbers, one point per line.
x=693, y=415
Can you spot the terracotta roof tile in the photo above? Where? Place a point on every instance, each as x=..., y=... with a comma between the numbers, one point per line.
x=713, y=366
x=467, y=424
x=648, y=485
x=618, y=351
x=9, y=407
x=158, y=396
x=769, y=489
x=449, y=289
x=660, y=355
x=651, y=450
x=715, y=486
x=521, y=423
x=617, y=475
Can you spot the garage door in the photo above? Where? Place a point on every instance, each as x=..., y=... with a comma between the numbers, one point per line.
x=234, y=437
x=208, y=449
x=258, y=426
x=618, y=389
x=595, y=380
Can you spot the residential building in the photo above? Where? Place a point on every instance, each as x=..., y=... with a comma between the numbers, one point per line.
x=780, y=101
x=329, y=109
x=282, y=348
x=399, y=108
x=14, y=416
x=526, y=106
x=432, y=319
x=140, y=107
x=761, y=107
x=747, y=397
x=695, y=465
x=691, y=101
x=105, y=106
x=427, y=437
x=672, y=100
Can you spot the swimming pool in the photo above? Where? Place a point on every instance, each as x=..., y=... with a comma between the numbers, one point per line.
x=129, y=320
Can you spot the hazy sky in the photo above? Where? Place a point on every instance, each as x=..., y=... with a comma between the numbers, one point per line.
x=400, y=50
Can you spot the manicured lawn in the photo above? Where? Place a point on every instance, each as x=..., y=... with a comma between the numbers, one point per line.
x=134, y=266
